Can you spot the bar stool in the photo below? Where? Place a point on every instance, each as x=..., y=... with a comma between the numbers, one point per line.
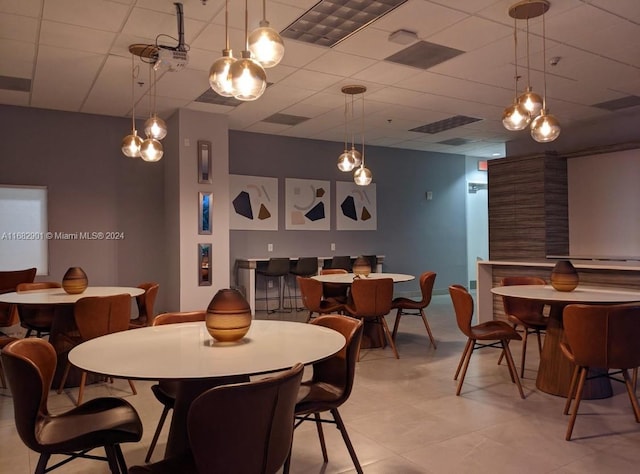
x=305, y=267
x=278, y=267
x=341, y=261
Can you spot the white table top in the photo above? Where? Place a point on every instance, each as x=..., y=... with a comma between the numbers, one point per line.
x=348, y=278
x=187, y=351
x=582, y=294
x=59, y=296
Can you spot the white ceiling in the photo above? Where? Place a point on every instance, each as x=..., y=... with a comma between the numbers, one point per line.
x=76, y=54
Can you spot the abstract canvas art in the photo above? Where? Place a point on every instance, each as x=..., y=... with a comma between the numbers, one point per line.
x=355, y=206
x=254, y=202
x=307, y=204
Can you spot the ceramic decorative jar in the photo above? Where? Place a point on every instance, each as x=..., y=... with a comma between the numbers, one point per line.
x=361, y=266
x=228, y=316
x=75, y=281
x=564, y=276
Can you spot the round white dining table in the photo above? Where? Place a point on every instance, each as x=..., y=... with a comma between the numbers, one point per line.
x=187, y=353
x=347, y=278
x=555, y=370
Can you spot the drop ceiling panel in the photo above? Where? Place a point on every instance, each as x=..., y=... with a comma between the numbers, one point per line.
x=30, y=8
x=63, y=78
x=623, y=8
x=18, y=28
x=266, y=127
x=312, y=80
x=472, y=33
x=150, y=24
x=99, y=14
x=86, y=39
x=184, y=84
x=306, y=110
x=14, y=98
x=17, y=58
x=335, y=61
x=385, y=72
x=115, y=72
x=423, y=17
x=369, y=43
x=298, y=54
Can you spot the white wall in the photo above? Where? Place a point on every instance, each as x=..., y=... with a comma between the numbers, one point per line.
x=604, y=204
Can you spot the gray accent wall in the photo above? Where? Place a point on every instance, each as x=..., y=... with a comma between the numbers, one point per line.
x=413, y=234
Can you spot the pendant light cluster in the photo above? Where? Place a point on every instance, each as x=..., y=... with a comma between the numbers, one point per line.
x=352, y=159
x=150, y=149
x=244, y=78
x=529, y=108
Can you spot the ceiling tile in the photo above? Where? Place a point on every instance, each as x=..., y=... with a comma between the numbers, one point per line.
x=83, y=39
x=18, y=28
x=99, y=14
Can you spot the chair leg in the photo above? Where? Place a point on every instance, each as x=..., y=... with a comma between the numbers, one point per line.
x=572, y=420
x=512, y=366
x=133, y=387
x=2, y=379
x=388, y=336
x=156, y=435
x=112, y=459
x=634, y=378
x=464, y=355
x=41, y=468
x=121, y=462
x=467, y=358
x=83, y=381
x=524, y=351
x=347, y=441
x=539, y=334
x=323, y=445
x=572, y=390
x=632, y=394
x=396, y=323
x=64, y=377
x=426, y=325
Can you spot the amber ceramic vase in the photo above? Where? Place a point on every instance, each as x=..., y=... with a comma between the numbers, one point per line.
x=228, y=316
x=361, y=266
x=75, y=281
x=564, y=276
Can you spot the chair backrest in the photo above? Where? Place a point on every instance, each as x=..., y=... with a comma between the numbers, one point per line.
x=311, y=292
x=372, y=297
x=603, y=336
x=248, y=426
x=334, y=290
x=306, y=266
x=463, y=307
x=333, y=271
x=341, y=261
x=278, y=266
x=9, y=281
x=99, y=315
x=29, y=365
x=520, y=306
x=179, y=317
x=39, y=285
x=427, y=280
x=339, y=369
x=146, y=301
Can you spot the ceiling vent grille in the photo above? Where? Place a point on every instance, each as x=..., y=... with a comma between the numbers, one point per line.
x=424, y=55
x=285, y=119
x=18, y=84
x=617, y=104
x=210, y=97
x=456, y=141
x=446, y=124
x=329, y=22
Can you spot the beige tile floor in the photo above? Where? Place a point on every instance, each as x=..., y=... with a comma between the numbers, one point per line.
x=404, y=417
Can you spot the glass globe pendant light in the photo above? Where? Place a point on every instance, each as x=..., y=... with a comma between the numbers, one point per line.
x=131, y=143
x=248, y=78
x=362, y=176
x=219, y=77
x=265, y=43
x=545, y=127
x=151, y=149
x=516, y=116
x=154, y=126
x=346, y=161
x=529, y=99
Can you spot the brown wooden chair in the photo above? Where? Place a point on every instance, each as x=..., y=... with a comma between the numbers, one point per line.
x=4, y=340
x=102, y=422
x=331, y=383
x=526, y=313
x=243, y=428
x=9, y=281
x=371, y=300
x=304, y=267
x=602, y=337
x=165, y=390
x=278, y=268
x=409, y=306
x=33, y=317
x=498, y=331
x=311, y=292
x=145, y=302
x=97, y=316
x=337, y=292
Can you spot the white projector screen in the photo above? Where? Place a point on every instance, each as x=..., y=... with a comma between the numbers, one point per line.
x=23, y=228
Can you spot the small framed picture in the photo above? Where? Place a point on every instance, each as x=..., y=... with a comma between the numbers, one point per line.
x=204, y=259
x=204, y=162
x=205, y=204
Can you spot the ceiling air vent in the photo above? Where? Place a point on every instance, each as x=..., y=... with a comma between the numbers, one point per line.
x=617, y=104
x=210, y=97
x=424, y=55
x=286, y=119
x=18, y=84
x=455, y=141
x=329, y=22
x=446, y=124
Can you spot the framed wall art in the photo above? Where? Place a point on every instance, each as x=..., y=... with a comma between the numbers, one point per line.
x=204, y=162
x=355, y=206
x=204, y=259
x=205, y=205
x=307, y=204
x=254, y=202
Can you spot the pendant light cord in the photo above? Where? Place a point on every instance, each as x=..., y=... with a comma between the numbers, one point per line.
x=346, y=117
x=353, y=115
x=544, y=64
x=150, y=92
x=133, y=95
x=363, y=129
x=226, y=25
x=515, y=54
x=264, y=10
x=246, y=26
x=528, y=66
